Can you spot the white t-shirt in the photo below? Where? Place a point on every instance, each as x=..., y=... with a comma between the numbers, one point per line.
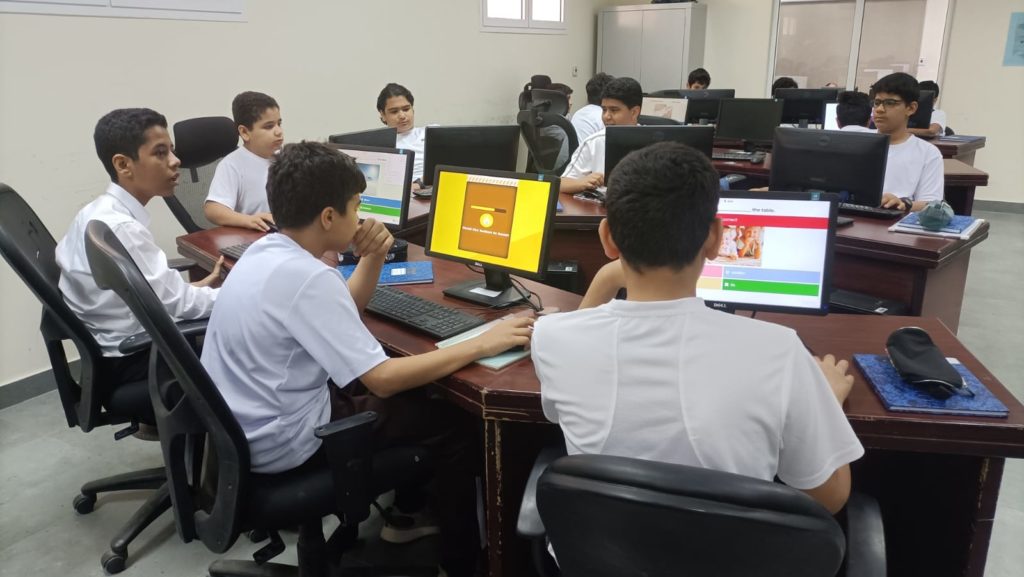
x=914, y=169
x=285, y=323
x=588, y=158
x=939, y=117
x=587, y=121
x=858, y=128
x=413, y=140
x=240, y=182
x=677, y=382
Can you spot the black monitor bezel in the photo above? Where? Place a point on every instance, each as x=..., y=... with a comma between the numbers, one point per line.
x=830, y=235
x=794, y=101
x=430, y=171
x=757, y=141
x=780, y=150
x=548, y=227
x=403, y=216
x=333, y=139
x=920, y=118
x=610, y=142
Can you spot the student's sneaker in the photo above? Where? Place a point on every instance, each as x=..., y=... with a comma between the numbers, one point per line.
x=407, y=527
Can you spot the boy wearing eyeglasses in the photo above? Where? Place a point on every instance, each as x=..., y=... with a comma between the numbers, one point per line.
x=914, y=171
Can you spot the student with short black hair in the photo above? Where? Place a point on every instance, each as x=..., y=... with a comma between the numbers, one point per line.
x=620, y=106
x=238, y=192
x=853, y=111
x=937, y=125
x=395, y=105
x=288, y=351
x=699, y=79
x=651, y=376
x=783, y=82
x=914, y=170
x=587, y=120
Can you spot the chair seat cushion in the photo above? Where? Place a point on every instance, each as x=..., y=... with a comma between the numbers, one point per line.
x=131, y=401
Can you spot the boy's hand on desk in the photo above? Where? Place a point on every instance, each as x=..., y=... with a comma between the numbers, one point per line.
x=261, y=221
x=372, y=239
x=213, y=277
x=514, y=332
x=593, y=180
x=836, y=374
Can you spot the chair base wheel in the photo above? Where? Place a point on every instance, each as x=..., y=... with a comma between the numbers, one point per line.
x=113, y=562
x=84, y=504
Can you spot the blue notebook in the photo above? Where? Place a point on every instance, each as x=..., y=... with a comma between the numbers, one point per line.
x=960, y=227
x=901, y=397
x=396, y=273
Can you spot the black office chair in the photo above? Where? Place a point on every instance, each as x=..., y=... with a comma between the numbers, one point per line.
x=549, y=101
x=614, y=516
x=215, y=495
x=92, y=400
x=200, y=143
x=647, y=120
x=548, y=137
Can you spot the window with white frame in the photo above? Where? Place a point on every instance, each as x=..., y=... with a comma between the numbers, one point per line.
x=542, y=16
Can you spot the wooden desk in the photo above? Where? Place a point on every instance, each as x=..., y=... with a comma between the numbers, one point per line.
x=936, y=477
x=960, y=147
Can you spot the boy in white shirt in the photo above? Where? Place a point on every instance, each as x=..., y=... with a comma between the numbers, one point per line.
x=136, y=150
x=286, y=346
x=395, y=105
x=620, y=106
x=587, y=120
x=853, y=111
x=937, y=126
x=656, y=377
x=238, y=193
x=914, y=170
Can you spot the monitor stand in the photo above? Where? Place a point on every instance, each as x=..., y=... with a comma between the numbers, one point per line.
x=804, y=123
x=494, y=291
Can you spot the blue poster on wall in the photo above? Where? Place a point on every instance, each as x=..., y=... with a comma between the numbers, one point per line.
x=1015, y=41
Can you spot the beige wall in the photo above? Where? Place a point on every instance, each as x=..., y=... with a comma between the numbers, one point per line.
x=323, y=61
x=736, y=50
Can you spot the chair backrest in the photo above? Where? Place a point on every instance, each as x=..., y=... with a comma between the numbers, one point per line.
x=648, y=120
x=30, y=249
x=549, y=101
x=200, y=143
x=550, y=138
x=190, y=412
x=617, y=516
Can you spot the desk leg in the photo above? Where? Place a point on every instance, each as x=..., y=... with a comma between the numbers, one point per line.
x=961, y=198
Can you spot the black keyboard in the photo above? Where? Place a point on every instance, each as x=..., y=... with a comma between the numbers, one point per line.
x=235, y=251
x=870, y=211
x=423, y=315
x=754, y=157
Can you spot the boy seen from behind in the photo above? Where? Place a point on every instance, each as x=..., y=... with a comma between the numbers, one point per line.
x=853, y=111
x=587, y=120
x=699, y=79
x=656, y=376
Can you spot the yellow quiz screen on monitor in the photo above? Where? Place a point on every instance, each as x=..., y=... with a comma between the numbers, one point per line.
x=490, y=220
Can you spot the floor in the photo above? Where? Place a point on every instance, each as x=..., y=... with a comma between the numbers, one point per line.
x=41, y=536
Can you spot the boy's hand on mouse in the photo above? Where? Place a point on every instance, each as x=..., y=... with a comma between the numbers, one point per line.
x=836, y=374
x=594, y=180
x=514, y=332
x=372, y=239
x=258, y=221
x=890, y=200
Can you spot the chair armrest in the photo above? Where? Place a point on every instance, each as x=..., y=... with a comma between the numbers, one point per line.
x=348, y=446
x=180, y=264
x=529, y=524
x=865, y=537
x=142, y=341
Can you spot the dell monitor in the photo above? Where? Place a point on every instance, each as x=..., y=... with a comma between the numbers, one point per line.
x=776, y=253
x=923, y=117
x=703, y=104
x=621, y=140
x=489, y=147
x=495, y=219
x=805, y=106
x=851, y=164
x=380, y=137
x=388, y=173
x=752, y=120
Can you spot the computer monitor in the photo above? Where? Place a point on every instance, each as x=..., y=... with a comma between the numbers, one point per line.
x=703, y=105
x=388, y=173
x=664, y=108
x=495, y=219
x=751, y=120
x=621, y=140
x=776, y=253
x=490, y=147
x=851, y=164
x=805, y=106
x=381, y=137
x=923, y=117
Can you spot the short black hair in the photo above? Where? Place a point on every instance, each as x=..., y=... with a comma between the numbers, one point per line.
x=393, y=90
x=661, y=202
x=853, y=108
x=699, y=75
x=595, y=87
x=783, y=82
x=248, y=107
x=307, y=177
x=626, y=90
x=123, y=131
x=930, y=85
x=899, y=83
x=559, y=87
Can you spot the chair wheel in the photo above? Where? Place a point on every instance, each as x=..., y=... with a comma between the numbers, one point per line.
x=83, y=504
x=258, y=536
x=112, y=562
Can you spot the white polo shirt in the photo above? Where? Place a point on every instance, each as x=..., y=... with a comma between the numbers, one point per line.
x=858, y=128
x=914, y=169
x=413, y=140
x=588, y=158
x=106, y=316
x=677, y=382
x=240, y=182
x=284, y=324
x=587, y=121
x=939, y=117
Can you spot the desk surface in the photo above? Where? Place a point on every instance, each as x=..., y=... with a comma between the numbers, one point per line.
x=513, y=393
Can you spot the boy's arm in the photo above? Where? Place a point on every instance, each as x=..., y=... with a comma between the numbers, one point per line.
x=221, y=215
x=222, y=199
x=606, y=284
x=372, y=242
x=834, y=493
x=580, y=174
x=589, y=182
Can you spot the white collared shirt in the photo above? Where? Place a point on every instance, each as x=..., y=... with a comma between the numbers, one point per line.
x=285, y=323
x=240, y=182
x=588, y=158
x=915, y=169
x=413, y=140
x=939, y=117
x=587, y=121
x=858, y=128
x=103, y=312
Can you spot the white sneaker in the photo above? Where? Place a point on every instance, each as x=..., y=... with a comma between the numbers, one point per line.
x=402, y=528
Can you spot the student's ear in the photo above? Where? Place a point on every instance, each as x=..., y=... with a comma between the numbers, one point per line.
x=383, y=120
x=244, y=132
x=635, y=113
x=714, y=240
x=122, y=166
x=327, y=216
x=611, y=250
x=911, y=109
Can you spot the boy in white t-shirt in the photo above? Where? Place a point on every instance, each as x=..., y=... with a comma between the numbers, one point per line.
x=937, y=126
x=914, y=170
x=395, y=105
x=656, y=376
x=238, y=193
x=587, y=120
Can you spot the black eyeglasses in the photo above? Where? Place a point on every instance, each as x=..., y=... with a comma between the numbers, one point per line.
x=887, y=103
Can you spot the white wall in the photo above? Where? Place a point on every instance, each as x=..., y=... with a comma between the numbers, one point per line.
x=737, y=49
x=325, y=62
